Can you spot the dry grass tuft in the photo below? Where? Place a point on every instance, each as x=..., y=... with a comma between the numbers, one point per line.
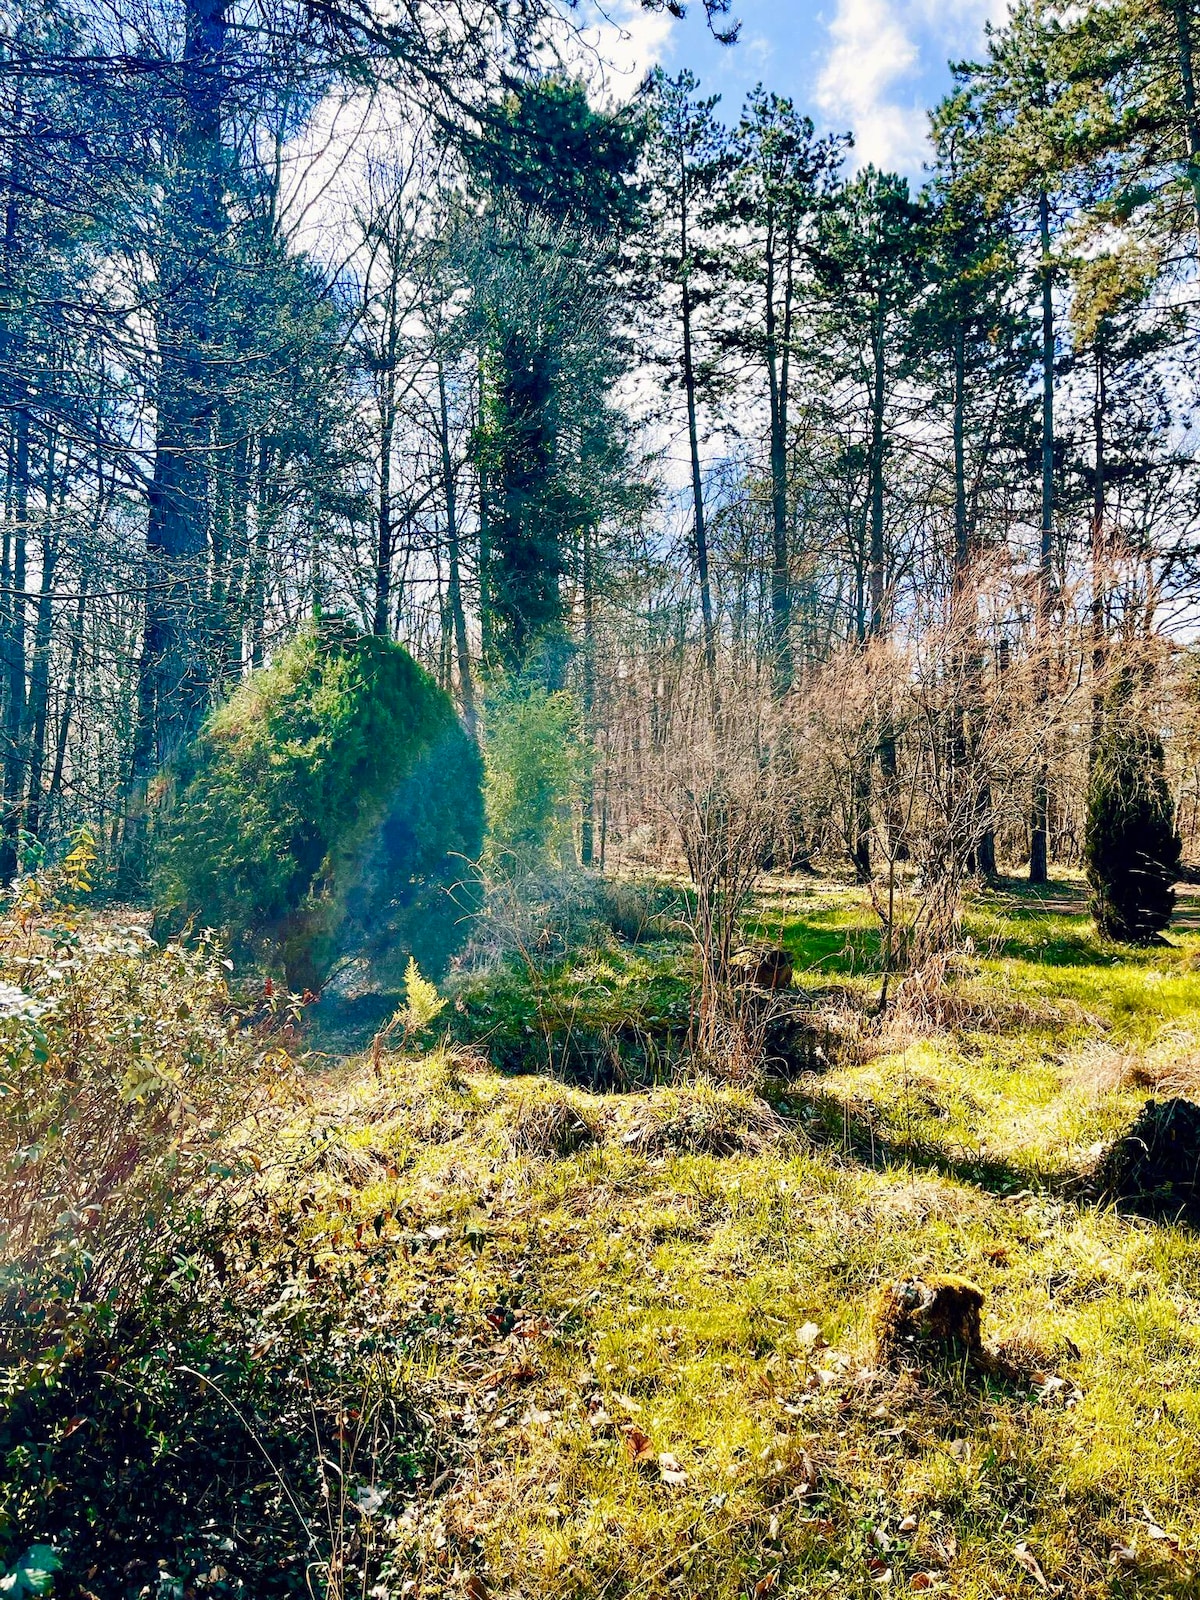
x=548, y=1122
x=945, y=995
x=704, y=1118
x=346, y=1159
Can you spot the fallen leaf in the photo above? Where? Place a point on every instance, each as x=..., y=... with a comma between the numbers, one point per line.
x=477, y=1589
x=670, y=1471
x=766, y=1584
x=809, y=1335
x=1123, y=1556
x=1028, y=1560
x=921, y=1580
x=909, y=1525
x=947, y=1548
x=639, y=1446
x=626, y=1404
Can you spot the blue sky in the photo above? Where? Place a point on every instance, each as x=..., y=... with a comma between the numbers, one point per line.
x=872, y=66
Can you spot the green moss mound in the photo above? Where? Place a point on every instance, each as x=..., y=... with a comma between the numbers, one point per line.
x=325, y=817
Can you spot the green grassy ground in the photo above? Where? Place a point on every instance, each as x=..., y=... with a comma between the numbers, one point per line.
x=648, y=1314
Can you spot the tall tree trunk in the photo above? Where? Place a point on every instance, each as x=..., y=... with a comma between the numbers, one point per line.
x=54, y=787
x=778, y=371
x=231, y=564
x=16, y=505
x=1099, y=552
x=466, y=687
x=699, y=531
x=257, y=597
x=1038, y=840
x=976, y=802
x=587, y=788
x=39, y=674
x=14, y=710
x=174, y=677
x=487, y=632
x=382, y=623
x=878, y=571
x=1187, y=83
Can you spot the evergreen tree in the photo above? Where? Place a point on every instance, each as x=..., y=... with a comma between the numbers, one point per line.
x=1131, y=849
x=557, y=176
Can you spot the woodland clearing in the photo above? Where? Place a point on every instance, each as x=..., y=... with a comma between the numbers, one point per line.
x=643, y=1319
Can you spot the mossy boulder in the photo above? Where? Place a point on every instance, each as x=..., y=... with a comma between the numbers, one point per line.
x=326, y=815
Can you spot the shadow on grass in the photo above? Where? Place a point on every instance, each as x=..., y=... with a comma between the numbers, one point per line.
x=834, y=1124
x=824, y=942
x=1026, y=907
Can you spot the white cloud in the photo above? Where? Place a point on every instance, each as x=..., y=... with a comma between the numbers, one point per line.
x=617, y=44
x=876, y=49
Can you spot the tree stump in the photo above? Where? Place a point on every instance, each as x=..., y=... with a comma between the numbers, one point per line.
x=917, y=1319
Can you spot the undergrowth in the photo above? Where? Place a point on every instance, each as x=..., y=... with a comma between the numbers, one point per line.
x=448, y=1330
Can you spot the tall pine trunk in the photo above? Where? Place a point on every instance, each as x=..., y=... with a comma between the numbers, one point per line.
x=1038, y=832
x=975, y=805
x=174, y=672
x=466, y=686
x=699, y=530
x=778, y=370
x=1187, y=83
x=1099, y=553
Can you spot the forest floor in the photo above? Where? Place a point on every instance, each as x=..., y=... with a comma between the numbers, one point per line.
x=644, y=1317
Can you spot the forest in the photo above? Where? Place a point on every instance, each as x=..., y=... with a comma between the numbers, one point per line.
x=599, y=812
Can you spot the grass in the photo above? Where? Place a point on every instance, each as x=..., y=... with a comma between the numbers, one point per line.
x=647, y=1314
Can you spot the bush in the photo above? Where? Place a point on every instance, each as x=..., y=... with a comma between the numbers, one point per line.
x=196, y=1438
x=533, y=765
x=124, y=1064
x=1131, y=848
x=176, y=1370
x=325, y=811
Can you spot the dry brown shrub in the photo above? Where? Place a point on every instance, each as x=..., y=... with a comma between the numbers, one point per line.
x=126, y=1070
x=941, y=996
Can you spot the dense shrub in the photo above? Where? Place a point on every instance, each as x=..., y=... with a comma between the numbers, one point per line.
x=533, y=766
x=1131, y=848
x=176, y=1368
x=194, y=1438
x=124, y=1062
x=326, y=811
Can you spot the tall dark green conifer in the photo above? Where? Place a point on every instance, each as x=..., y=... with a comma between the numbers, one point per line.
x=558, y=178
